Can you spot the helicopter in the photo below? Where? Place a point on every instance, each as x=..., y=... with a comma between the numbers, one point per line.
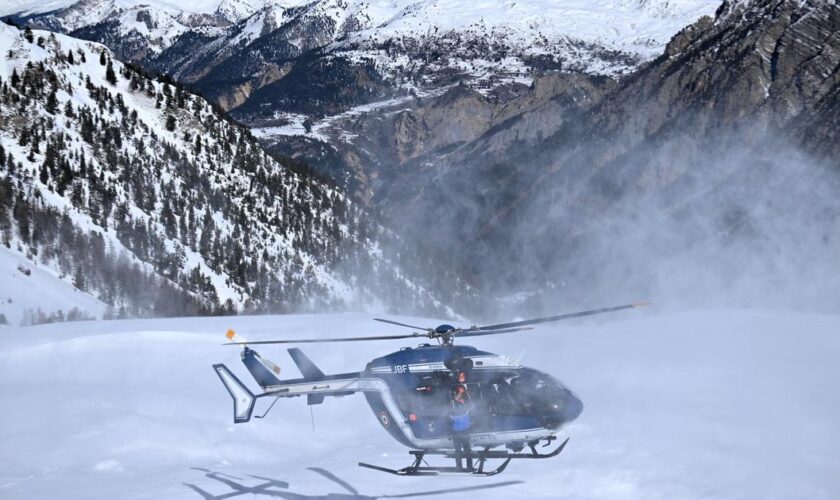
x=421, y=395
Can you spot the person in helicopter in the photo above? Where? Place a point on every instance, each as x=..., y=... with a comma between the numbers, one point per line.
x=460, y=417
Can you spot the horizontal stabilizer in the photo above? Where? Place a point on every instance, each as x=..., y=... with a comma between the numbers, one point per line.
x=305, y=365
x=243, y=399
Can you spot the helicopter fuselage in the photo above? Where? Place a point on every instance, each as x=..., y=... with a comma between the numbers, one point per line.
x=411, y=392
x=508, y=404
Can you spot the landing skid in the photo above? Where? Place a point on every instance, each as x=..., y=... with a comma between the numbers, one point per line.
x=418, y=469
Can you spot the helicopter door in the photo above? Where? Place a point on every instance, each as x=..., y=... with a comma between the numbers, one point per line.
x=427, y=407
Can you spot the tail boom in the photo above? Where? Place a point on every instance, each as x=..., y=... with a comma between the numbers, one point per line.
x=315, y=385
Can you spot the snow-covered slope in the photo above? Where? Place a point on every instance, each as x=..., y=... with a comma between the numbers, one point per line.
x=41, y=6
x=537, y=27
x=147, y=174
x=28, y=286
x=32, y=6
x=707, y=404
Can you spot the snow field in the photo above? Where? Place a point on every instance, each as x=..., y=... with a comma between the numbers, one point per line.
x=703, y=404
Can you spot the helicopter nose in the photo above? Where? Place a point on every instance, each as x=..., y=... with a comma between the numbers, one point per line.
x=572, y=408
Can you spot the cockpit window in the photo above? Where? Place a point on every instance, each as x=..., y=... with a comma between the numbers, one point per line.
x=500, y=399
x=520, y=392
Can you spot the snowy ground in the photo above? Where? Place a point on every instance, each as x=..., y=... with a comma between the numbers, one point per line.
x=713, y=404
x=40, y=289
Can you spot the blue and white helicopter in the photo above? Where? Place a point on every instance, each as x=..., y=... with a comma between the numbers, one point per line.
x=418, y=393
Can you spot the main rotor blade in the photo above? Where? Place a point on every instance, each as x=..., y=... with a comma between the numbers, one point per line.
x=340, y=339
x=400, y=324
x=559, y=317
x=478, y=333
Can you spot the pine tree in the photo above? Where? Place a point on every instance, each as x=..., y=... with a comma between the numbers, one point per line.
x=102, y=60
x=79, y=278
x=44, y=175
x=109, y=73
x=25, y=136
x=170, y=123
x=52, y=103
x=22, y=217
x=167, y=218
x=27, y=33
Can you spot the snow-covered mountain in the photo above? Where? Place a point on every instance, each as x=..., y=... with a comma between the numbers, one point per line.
x=719, y=404
x=281, y=64
x=231, y=51
x=139, y=193
x=531, y=28
x=536, y=167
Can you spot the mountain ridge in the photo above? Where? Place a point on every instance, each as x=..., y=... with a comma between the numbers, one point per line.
x=170, y=192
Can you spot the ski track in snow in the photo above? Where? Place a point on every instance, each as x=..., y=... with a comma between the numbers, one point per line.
x=704, y=404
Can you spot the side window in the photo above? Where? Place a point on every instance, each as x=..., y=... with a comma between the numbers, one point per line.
x=434, y=402
x=430, y=398
x=499, y=398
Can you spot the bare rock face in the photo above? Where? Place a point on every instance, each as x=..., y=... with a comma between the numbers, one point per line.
x=687, y=36
x=754, y=72
x=762, y=76
x=769, y=60
x=393, y=148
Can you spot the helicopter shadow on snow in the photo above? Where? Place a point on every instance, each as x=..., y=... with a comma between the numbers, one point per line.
x=280, y=489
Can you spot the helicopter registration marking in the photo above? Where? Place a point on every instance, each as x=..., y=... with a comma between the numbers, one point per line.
x=390, y=369
x=413, y=368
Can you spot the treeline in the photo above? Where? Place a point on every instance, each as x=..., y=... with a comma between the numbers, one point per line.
x=36, y=316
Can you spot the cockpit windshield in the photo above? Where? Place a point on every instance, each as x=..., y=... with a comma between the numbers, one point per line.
x=541, y=394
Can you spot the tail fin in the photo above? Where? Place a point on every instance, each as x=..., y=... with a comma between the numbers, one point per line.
x=309, y=371
x=305, y=365
x=243, y=399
